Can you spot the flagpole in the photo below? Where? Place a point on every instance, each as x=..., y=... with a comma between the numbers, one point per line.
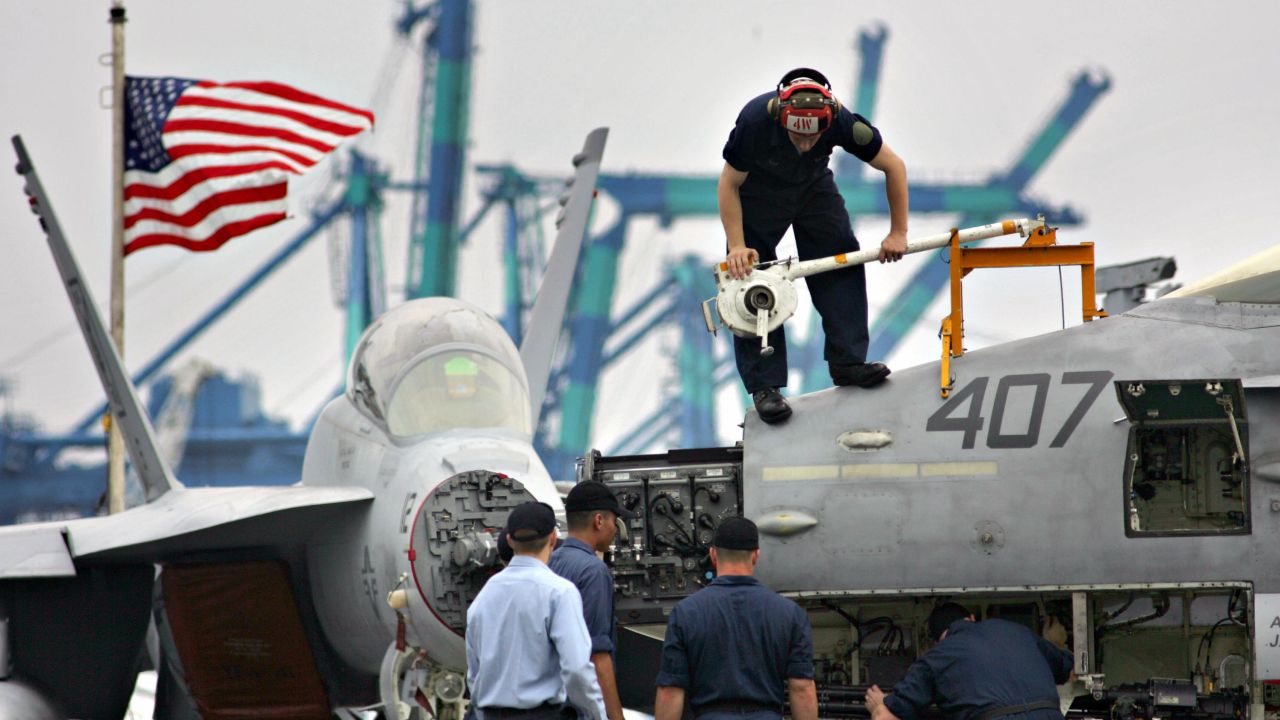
x=115, y=442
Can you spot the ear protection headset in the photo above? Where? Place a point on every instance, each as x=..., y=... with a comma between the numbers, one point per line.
x=804, y=104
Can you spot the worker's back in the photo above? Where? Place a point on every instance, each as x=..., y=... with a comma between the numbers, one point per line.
x=742, y=641
x=983, y=666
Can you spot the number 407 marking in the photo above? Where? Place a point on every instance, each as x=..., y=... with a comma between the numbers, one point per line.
x=948, y=418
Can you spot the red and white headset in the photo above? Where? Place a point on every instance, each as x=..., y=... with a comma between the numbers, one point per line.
x=804, y=104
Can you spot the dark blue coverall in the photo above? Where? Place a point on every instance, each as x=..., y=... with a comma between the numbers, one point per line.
x=576, y=562
x=732, y=646
x=981, y=667
x=787, y=189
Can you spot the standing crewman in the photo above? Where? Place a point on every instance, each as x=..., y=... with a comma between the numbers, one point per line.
x=776, y=176
x=979, y=671
x=593, y=513
x=528, y=651
x=733, y=646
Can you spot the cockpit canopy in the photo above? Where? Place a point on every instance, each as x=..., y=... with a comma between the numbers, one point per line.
x=439, y=364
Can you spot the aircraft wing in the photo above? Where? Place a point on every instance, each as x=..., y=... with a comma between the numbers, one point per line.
x=182, y=521
x=34, y=551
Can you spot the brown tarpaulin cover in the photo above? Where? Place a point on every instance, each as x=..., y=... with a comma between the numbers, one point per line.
x=243, y=650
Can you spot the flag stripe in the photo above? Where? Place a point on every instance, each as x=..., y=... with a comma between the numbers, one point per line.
x=183, y=151
x=250, y=97
x=253, y=119
x=317, y=123
x=177, y=170
x=198, y=211
x=209, y=225
x=234, y=128
x=211, y=242
x=296, y=95
x=140, y=187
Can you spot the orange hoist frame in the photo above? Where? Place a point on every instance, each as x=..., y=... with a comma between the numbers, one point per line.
x=1041, y=249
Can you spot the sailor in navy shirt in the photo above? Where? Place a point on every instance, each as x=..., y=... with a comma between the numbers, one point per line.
x=776, y=176
x=988, y=670
x=735, y=647
x=593, y=513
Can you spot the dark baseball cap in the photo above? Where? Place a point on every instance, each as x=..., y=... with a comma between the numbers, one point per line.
x=530, y=521
x=591, y=495
x=943, y=616
x=737, y=533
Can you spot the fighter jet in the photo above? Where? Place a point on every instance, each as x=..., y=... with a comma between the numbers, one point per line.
x=346, y=590
x=1120, y=476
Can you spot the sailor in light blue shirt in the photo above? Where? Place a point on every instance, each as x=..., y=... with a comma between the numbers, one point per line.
x=528, y=650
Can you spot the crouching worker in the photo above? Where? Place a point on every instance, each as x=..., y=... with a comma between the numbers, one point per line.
x=989, y=670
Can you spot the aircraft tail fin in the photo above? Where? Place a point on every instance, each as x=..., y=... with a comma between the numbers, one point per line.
x=122, y=398
x=1255, y=279
x=538, y=349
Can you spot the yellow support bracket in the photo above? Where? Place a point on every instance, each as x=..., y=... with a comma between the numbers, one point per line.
x=1041, y=249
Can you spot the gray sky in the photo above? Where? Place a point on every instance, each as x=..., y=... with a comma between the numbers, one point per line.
x=1178, y=158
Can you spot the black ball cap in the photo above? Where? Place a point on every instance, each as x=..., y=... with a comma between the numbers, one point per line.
x=531, y=521
x=737, y=533
x=592, y=495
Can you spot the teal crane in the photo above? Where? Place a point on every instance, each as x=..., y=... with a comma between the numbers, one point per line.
x=444, y=101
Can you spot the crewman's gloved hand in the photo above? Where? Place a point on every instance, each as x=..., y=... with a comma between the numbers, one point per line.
x=1055, y=632
x=741, y=260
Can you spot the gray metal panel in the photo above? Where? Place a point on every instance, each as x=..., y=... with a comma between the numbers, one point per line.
x=126, y=410
x=913, y=514
x=538, y=350
x=28, y=551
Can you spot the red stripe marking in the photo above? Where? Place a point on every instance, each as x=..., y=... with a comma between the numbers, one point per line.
x=212, y=242
x=179, y=151
x=233, y=128
x=180, y=186
x=294, y=94
x=309, y=120
x=207, y=206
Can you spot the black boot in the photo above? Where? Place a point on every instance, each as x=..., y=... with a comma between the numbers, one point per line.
x=771, y=406
x=861, y=374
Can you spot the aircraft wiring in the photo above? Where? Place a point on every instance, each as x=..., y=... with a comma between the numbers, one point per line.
x=1160, y=607
x=712, y=495
x=707, y=521
x=1112, y=615
x=892, y=633
x=685, y=544
x=853, y=621
x=1206, y=641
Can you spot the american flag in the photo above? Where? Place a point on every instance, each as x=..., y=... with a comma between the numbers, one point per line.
x=206, y=162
